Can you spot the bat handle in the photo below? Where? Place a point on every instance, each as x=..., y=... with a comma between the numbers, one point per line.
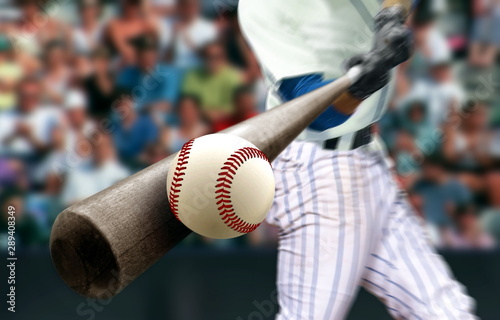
x=354, y=73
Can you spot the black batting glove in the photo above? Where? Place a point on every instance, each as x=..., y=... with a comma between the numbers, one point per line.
x=393, y=45
x=375, y=75
x=392, y=36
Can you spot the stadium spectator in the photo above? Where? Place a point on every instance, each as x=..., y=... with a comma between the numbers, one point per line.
x=441, y=94
x=485, y=38
x=408, y=158
x=214, y=83
x=192, y=124
x=245, y=108
x=70, y=145
x=10, y=74
x=100, y=85
x=33, y=30
x=13, y=174
x=468, y=232
x=25, y=131
x=431, y=48
x=102, y=171
x=134, y=19
x=440, y=194
x=87, y=34
x=414, y=118
x=57, y=73
x=490, y=221
x=430, y=43
x=79, y=126
x=28, y=231
x=190, y=33
x=49, y=175
x=237, y=49
x=150, y=80
x=467, y=145
x=132, y=133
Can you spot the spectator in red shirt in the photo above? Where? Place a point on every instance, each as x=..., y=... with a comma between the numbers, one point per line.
x=245, y=108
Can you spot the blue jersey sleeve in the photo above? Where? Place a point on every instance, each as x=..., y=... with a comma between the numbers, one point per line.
x=295, y=87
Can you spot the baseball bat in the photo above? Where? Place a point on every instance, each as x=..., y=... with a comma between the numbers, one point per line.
x=104, y=242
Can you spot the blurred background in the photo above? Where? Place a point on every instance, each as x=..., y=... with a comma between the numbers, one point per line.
x=92, y=91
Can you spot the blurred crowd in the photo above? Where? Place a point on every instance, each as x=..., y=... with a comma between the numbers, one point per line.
x=92, y=91
x=442, y=126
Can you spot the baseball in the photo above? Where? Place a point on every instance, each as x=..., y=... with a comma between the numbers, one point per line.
x=220, y=186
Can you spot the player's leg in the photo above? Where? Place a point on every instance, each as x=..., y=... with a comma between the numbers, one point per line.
x=326, y=231
x=409, y=276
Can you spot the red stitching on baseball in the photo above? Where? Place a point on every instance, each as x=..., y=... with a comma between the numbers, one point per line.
x=225, y=180
x=182, y=160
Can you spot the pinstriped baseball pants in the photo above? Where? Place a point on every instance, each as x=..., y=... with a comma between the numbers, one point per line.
x=343, y=224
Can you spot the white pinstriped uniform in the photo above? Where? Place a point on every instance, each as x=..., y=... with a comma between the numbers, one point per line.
x=343, y=221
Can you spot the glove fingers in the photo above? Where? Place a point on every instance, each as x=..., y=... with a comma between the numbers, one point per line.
x=396, y=46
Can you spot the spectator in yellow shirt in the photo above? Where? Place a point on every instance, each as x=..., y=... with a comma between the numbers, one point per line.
x=10, y=74
x=214, y=83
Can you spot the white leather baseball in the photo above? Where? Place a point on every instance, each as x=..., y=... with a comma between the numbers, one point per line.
x=220, y=186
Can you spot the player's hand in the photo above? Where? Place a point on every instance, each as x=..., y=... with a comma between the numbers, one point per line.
x=392, y=37
x=393, y=45
x=375, y=74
